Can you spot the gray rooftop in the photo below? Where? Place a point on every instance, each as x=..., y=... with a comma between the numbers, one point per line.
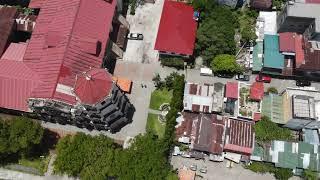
x=305, y=10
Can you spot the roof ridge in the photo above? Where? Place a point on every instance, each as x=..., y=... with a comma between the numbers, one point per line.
x=68, y=44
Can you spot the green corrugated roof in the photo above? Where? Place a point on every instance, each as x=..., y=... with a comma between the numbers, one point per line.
x=257, y=59
x=305, y=147
x=272, y=57
x=273, y=108
x=287, y=160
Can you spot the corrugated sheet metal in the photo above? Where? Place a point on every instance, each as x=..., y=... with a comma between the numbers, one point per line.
x=232, y=90
x=177, y=29
x=257, y=91
x=240, y=136
x=257, y=56
x=16, y=84
x=15, y=52
x=272, y=57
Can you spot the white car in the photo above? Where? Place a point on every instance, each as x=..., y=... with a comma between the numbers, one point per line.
x=135, y=36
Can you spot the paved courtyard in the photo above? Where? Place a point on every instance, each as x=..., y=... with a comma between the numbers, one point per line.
x=146, y=21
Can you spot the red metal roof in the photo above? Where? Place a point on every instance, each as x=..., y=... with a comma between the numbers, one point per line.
x=36, y=3
x=93, y=86
x=72, y=20
x=239, y=137
x=177, y=29
x=7, y=15
x=287, y=42
x=257, y=91
x=232, y=90
x=15, y=52
x=16, y=84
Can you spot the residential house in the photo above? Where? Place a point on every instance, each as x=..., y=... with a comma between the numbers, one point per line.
x=57, y=74
x=203, y=97
x=204, y=132
x=232, y=95
x=177, y=30
x=296, y=108
x=250, y=97
x=301, y=108
x=300, y=16
x=273, y=60
x=291, y=155
x=240, y=136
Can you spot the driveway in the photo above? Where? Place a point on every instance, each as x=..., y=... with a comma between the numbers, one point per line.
x=146, y=21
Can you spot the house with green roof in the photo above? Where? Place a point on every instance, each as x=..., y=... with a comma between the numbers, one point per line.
x=257, y=57
x=273, y=60
x=292, y=155
x=272, y=107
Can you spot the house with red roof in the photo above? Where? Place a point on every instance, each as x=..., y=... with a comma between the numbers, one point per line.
x=57, y=73
x=257, y=91
x=240, y=136
x=177, y=30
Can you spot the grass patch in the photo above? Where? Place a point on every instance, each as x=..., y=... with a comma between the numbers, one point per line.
x=159, y=97
x=154, y=125
x=40, y=164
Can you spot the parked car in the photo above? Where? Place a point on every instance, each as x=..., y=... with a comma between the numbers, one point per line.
x=225, y=75
x=302, y=83
x=193, y=167
x=135, y=36
x=242, y=77
x=263, y=78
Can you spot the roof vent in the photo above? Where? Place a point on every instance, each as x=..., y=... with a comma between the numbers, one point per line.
x=91, y=46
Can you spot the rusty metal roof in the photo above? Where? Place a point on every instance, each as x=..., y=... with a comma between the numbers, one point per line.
x=239, y=136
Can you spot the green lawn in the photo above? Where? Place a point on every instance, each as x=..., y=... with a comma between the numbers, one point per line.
x=159, y=97
x=154, y=125
x=40, y=164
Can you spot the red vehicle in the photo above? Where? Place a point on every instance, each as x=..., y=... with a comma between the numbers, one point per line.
x=263, y=78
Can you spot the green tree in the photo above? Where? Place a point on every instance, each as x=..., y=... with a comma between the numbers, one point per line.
x=283, y=173
x=267, y=131
x=310, y=175
x=158, y=83
x=225, y=63
x=19, y=136
x=216, y=33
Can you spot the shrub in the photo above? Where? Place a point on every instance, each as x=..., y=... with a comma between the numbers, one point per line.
x=170, y=61
x=272, y=90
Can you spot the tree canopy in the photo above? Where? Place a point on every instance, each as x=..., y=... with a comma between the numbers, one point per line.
x=98, y=157
x=267, y=130
x=18, y=136
x=216, y=32
x=225, y=63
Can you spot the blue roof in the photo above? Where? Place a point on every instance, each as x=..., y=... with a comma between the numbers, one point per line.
x=272, y=57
